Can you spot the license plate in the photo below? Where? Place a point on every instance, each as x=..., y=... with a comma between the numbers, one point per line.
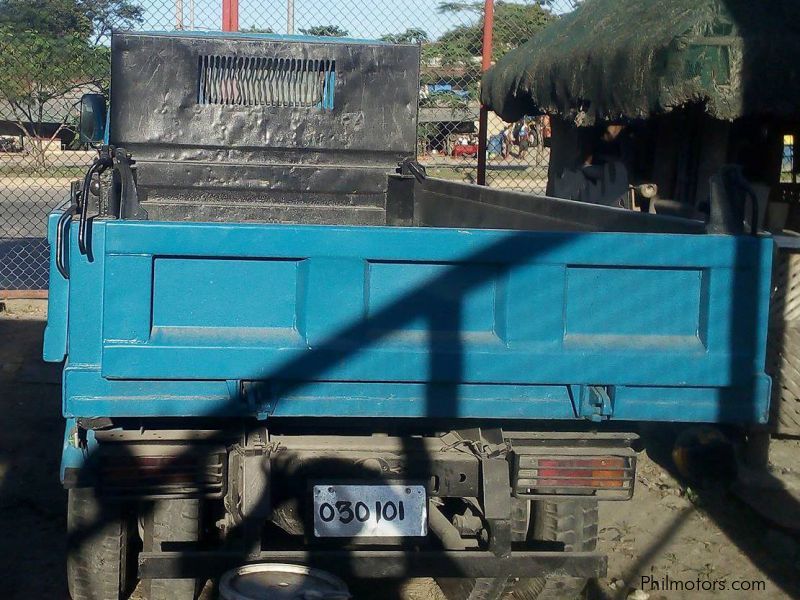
x=394, y=510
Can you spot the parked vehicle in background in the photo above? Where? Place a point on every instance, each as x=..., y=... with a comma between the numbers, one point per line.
x=10, y=143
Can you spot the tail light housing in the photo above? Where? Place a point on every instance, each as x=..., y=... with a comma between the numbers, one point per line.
x=607, y=473
x=161, y=471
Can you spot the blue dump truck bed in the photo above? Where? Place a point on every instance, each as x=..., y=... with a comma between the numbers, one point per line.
x=187, y=319
x=310, y=385
x=283, y=342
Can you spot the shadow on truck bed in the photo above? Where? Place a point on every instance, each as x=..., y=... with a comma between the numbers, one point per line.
x=31, y=438
x=33, y=518
x=41, y=413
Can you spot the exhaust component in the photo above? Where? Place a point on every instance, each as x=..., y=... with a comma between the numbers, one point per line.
x=446, y=532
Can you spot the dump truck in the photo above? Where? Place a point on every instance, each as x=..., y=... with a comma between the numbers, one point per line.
x=284, y=342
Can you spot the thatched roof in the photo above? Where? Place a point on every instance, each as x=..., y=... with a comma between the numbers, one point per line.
x=629, y=59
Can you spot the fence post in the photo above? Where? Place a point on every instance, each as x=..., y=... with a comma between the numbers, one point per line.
x=230, y=15
x=486, y=62
x=290, y=17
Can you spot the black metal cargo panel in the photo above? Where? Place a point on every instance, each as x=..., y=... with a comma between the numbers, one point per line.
x=263, y=127
x=155, y=98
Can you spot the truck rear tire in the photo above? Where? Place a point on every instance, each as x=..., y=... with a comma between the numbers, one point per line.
x=171, y=521
x=574, y=524
x=571, y=522
x=100, y=552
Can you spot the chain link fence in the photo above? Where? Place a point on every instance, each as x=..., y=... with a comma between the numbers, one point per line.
x=53, y=52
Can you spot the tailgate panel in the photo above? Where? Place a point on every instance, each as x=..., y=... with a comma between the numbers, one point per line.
x=256, y=302
x=231, y=294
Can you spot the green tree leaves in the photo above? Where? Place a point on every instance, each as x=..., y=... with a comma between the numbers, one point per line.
x=412, y=35
x=514, y=24
x=326, y=31
x=49, y=54
x=90, y=20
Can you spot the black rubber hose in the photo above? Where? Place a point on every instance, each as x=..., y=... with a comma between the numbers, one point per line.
x=87, y=182
x=63, y=222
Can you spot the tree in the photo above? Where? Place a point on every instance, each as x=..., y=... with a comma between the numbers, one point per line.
x=90, y=19
x=53, y=17
x=326, y=31
x=479, y=6
x=37, y=73
x=412, y=35
x=514, y=24
x=49, y=53
x=573, y=3
x=254, y=29
x=108, y=14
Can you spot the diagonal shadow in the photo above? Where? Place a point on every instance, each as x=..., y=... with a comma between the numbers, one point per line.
x=754, y=25
x=445, y=342
x=442, y=396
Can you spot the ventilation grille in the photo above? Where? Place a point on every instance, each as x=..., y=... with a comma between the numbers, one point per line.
x=261, y=81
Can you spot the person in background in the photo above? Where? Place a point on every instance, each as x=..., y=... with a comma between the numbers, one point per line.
x=494, y=146
x=508, y=140
x=598, y=174
x=533, y=134
x=547, y=131
x=522, y=138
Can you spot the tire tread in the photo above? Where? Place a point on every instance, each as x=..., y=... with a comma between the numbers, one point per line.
x=97, y=540
x=172, y=521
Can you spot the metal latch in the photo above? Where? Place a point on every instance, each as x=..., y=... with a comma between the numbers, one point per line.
x=259, y=397
x=595, y=402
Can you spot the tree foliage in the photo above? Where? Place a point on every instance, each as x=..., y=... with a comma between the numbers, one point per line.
x=514, y=24
x=326, y=31
x=54, y=17
x=108, y=14
x=38, y=73
x=49, y=53
x=90, y=20
x=413, y=35
x=254, y=29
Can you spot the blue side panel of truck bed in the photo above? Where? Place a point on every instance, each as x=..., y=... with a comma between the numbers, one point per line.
x=188, y=319
x=55, y=334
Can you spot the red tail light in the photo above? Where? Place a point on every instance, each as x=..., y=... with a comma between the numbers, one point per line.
x=593, y=472
x=610, y=477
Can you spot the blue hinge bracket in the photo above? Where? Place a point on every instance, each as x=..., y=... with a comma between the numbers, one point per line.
x=594, y=402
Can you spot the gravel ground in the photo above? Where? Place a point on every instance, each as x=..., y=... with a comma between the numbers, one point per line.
x=698, y=538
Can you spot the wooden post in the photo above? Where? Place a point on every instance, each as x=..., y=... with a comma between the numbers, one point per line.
x=486, y=62
x=230, y=15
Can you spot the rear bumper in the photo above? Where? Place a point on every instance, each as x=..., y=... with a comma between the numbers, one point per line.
x=147, y=464
x=382, y=564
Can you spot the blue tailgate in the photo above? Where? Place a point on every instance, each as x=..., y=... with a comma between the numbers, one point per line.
x=188, y=319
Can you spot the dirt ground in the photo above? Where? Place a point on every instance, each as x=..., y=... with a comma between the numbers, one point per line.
x=695, y=538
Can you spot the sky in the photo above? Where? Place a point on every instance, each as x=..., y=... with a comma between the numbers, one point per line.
x=361, y=18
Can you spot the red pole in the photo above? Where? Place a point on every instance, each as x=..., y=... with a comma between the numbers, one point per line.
x=486, y=62
x=230, y=15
